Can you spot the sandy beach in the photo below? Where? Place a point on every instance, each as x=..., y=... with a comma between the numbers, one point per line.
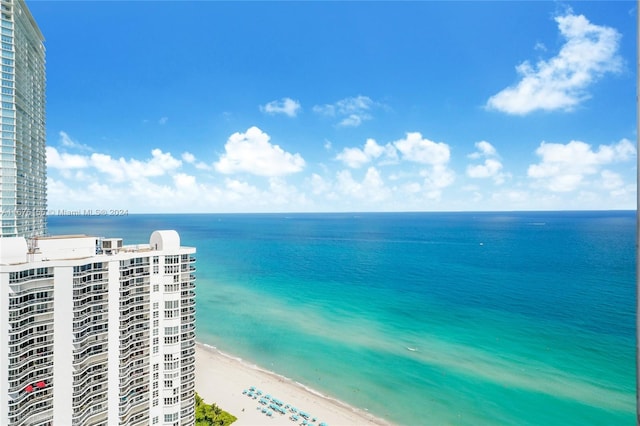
x=222, y=379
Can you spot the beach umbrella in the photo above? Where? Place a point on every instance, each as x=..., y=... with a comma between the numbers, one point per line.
x=29, y=388
x=40, y=384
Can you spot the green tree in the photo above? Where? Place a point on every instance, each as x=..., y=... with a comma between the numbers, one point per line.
x=211, y=414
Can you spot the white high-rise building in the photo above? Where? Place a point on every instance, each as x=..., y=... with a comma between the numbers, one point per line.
x=23, y=167
x=94, y=332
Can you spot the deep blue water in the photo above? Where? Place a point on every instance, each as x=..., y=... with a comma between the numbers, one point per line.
x=515, y=318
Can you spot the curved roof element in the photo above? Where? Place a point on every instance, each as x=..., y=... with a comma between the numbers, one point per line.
x=164, y=240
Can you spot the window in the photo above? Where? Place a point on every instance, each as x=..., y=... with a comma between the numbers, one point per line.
x=170, y=331
x=168, y=418
x=171, y=340
x=172, y=304
x=171, y=401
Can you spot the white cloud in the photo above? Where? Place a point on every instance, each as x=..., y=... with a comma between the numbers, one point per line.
x=491, y=168
x=371, y=189
x=319, y=185
x=540, y=46
x=252, y=152
x=188, y=157
x=590, y=51
x=68, y=142
x=122, y=169
x=564, y=167
x=184, y=181
x=351, y=111
x=202, y=166
x=286, y=106
x=63, y=160
x=420, y=150
x=163, y=120
x=485, y=149
x=611, y=180
x=356, y=157
x=436, y=179
x=239, y=188
x=157, y=183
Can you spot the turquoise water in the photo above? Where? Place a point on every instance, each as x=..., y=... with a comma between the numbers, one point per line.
x=422, y=318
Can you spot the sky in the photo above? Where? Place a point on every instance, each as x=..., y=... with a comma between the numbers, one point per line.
x=176, y=107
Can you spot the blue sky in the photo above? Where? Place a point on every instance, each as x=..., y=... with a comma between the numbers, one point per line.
x=340, y=106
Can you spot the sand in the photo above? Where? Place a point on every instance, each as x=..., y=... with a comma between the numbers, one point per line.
x=221, y=378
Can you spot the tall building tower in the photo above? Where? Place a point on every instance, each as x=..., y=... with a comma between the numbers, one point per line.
x=23, y=167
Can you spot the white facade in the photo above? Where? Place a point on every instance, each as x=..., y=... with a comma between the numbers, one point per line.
x=94, y=332
x=23, y=186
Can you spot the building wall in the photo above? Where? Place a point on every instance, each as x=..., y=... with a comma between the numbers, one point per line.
x=30, y=337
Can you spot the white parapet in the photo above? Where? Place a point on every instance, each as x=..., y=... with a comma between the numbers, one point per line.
x=66, y=247
x=13, y=250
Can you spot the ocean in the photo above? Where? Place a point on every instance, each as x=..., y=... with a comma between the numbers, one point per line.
x=515, y=318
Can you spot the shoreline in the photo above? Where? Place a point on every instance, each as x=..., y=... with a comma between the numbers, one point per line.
x=222, y=378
